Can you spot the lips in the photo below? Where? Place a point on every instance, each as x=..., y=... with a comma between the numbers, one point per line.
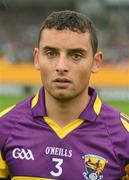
x=62, y=80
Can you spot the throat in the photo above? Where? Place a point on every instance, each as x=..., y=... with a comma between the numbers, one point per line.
x=62, y=115
x=65, y=113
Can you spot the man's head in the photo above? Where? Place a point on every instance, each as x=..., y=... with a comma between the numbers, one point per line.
x=67, y=54
x=73, y=21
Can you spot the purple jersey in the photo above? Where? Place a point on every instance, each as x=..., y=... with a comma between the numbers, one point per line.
x=93, y=147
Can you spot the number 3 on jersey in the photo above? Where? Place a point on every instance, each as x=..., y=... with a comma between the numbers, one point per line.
x=58, y=167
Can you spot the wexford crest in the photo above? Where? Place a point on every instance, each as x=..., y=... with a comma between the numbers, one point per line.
x=94, y=166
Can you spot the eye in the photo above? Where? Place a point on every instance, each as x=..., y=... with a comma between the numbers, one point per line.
x=51, y=54
x=76, y=56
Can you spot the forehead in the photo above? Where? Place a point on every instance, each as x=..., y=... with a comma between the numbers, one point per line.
x=65, y=39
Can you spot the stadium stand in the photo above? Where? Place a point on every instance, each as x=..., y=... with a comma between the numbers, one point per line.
x=19, y=34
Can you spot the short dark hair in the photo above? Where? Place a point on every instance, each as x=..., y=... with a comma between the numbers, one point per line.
x=73, y=21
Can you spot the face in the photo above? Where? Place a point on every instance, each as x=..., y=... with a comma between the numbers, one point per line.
x=65, y=60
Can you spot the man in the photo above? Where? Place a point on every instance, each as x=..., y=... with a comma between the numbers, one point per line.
x=65, y=132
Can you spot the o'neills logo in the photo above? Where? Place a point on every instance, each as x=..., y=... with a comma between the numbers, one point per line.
x=22, y=154
x=58, y=151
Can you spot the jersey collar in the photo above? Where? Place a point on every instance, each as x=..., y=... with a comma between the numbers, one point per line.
x=38, y=104
x=93, y=108
x=90, y=113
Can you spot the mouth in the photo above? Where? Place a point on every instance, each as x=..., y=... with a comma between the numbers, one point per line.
x=62, y=83
x=62, y=80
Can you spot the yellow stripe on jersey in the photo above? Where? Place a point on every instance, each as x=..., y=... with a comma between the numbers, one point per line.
x=125, y=124
x=35, y=100
x=29, y=178
x=4, y=171
x=6, y=110
x=126, y=177
x=124, y=115
x=97, y=105
x=62, y=132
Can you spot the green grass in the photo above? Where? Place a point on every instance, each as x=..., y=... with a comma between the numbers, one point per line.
x=123, y=106
x=6, y=101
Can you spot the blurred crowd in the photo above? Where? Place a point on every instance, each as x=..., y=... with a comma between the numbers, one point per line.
x=113, y=30
x=19, y=35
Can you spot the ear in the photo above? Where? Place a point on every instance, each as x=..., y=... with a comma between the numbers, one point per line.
x=36, y=60
x=98, y=58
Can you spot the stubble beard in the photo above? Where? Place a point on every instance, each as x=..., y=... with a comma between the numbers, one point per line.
x=65, y=97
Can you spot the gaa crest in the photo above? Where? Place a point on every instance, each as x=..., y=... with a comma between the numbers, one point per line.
x=94, y=166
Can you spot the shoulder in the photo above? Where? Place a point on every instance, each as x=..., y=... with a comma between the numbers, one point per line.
x=117, y=125
x=109, y=114
x=110, y=117
x=10, y=117
x=113, y=118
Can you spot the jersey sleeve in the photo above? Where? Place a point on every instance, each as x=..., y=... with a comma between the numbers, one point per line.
x=118, y=127
x=125, y=123
x=6, y=125
x=4, y=170
x=122, y=146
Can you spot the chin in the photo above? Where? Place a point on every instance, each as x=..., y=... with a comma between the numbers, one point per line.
x=62, y=97
x=62, y=94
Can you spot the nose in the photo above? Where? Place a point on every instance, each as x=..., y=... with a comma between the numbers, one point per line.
x=62, y=65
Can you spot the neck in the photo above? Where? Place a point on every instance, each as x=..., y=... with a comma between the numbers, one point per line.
x=62, y=113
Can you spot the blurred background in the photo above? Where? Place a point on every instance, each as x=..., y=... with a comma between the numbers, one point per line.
x=20, y=22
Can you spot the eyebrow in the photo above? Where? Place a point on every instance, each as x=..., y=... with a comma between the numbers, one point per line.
x=45, y=48
x=81, y=50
